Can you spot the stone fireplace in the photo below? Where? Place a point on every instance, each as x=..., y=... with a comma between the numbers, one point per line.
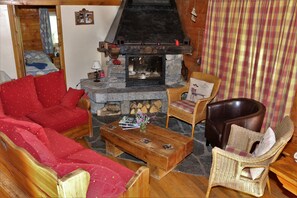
x=147, y=43
x=113, y=89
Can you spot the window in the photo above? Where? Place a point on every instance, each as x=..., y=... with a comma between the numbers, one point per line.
x=54, y=27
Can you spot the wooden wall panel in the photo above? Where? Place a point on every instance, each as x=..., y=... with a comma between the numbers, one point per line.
x=61, y=2
x=29, y=22
x=194, y=30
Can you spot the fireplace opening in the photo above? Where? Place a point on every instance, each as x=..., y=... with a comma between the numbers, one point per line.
x=145, y=70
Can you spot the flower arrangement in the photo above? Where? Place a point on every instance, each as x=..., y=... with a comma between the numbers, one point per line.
x=142, y=119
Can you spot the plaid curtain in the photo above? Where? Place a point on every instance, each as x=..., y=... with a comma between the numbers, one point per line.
x=45, y=31
x=252, y=46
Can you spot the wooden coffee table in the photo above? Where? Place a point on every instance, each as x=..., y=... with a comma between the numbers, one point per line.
x=148, y=146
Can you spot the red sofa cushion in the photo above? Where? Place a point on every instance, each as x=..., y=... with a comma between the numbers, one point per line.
x=19, y=97
x=33, y=145
x=7, y=125
x=60, y=118
x=50, y=88
x=104, y=182
x=72, y=97
x=60, y=145
x=91, y=157
x=1, y=106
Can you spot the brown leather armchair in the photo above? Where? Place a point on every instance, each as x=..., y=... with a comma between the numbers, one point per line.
x=244, y=112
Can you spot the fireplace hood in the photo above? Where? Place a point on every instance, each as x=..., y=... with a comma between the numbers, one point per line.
x=146, y=27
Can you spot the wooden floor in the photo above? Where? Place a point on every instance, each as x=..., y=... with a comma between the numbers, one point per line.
x=175, y=184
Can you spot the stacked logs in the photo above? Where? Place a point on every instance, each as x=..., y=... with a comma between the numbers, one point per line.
x=145, y=106
x=109, y=109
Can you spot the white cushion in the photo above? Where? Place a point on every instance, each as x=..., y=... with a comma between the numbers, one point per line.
x=199, y=89
x=266, y=143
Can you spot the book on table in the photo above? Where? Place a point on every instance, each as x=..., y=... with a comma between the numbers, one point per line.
x=128, y=123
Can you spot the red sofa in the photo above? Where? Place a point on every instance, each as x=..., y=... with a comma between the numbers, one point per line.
x=46, y=101
x=51, y=170
x=36, y=115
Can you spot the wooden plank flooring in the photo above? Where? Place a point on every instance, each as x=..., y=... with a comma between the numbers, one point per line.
x=175, y=184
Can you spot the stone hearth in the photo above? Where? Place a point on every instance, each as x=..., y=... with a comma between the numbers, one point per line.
x=113, y=88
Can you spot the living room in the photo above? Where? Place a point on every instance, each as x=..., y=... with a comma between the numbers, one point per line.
x=79, y=46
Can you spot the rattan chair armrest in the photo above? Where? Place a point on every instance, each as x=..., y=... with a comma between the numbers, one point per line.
x=242, y=138
x=223, y=157
x=175, y=94
x=218, y=153
x=201, y=105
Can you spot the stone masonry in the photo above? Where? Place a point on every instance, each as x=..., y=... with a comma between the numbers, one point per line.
x=113, y=88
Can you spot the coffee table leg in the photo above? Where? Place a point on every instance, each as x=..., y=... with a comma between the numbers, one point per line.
x=112, y=149
x=157, y=172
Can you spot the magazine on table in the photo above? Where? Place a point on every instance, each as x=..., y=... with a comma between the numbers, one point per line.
x=128, y=123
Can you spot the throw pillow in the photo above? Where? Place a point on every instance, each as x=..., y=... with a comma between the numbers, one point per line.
x=19, y=97
x=33, y=145
x=266, y=143
x=51, y=88
x=7, y=124
x=72, y=97
x=199, y=89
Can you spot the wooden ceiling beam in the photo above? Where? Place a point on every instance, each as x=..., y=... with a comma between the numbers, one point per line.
x=61, y=2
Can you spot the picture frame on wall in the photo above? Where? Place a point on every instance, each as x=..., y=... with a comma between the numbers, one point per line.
x=84, y=17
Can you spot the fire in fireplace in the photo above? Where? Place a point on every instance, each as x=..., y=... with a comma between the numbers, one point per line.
x=142, y=70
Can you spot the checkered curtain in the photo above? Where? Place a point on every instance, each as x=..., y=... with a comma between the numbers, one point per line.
x=45, y=31
x=252, y=46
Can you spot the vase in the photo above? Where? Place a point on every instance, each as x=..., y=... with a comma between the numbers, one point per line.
x=142, y=127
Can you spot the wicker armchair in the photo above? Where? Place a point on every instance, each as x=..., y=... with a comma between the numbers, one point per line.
x=199, y=111
x=228, y=168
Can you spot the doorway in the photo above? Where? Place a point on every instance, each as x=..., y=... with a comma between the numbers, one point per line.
x=38, y=50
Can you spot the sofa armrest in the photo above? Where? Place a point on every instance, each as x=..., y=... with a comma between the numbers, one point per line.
x=75, y=184
x=84, y=103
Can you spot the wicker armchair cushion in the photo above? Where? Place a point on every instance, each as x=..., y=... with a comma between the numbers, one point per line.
x=232, y=149
x=266, y=143
x=199, y=89
x=186, y=105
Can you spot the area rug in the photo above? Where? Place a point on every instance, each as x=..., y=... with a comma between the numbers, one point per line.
x=197, y=163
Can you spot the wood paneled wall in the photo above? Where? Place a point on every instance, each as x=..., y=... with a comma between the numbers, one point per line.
x=29, y=24
x=61, y=2
x=194, y=30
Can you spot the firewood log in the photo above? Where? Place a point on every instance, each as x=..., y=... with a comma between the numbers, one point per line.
x=133, y=111
x=158, y=103
x=154, y=109
x=143, y=109
x=139, y=105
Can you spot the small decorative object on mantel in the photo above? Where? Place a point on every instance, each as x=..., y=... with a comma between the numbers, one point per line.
x=84, y=17
x=98, y=68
